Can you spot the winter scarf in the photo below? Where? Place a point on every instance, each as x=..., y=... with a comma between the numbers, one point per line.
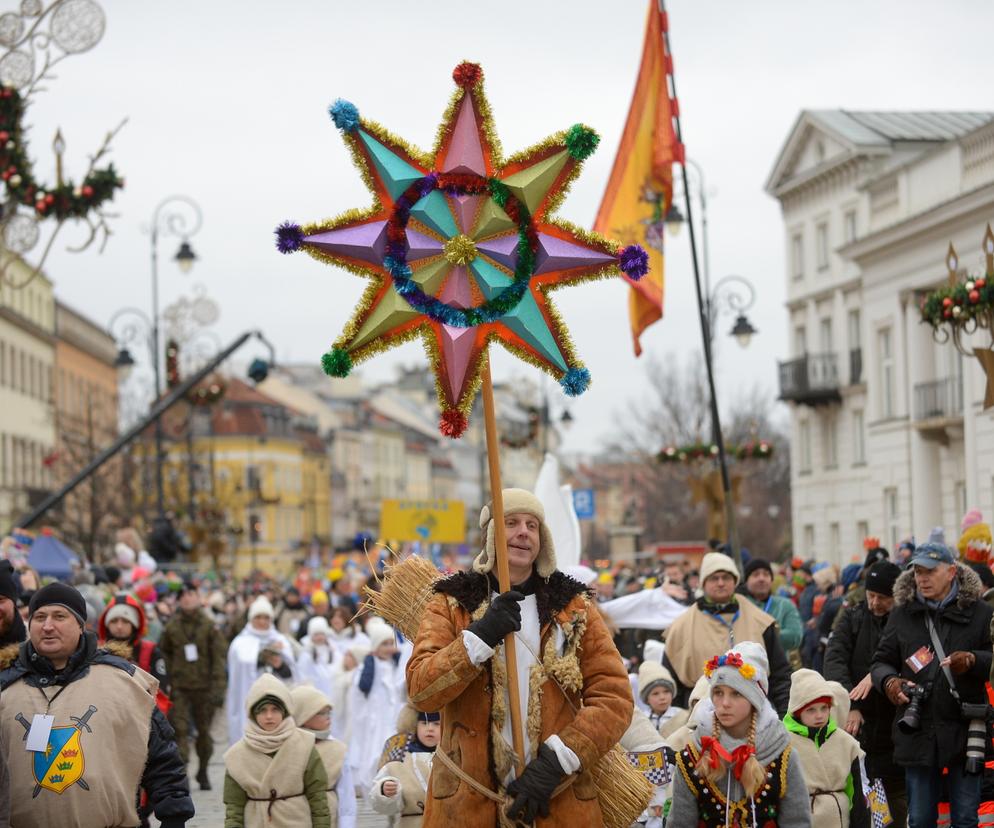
x=268, y=741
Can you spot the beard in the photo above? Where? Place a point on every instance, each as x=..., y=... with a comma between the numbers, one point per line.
x=12, y=630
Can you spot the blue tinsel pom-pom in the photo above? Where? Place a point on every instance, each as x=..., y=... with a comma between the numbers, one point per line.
x=575, y=381
x=289, y=237
x=345, y=115
x=634, y=262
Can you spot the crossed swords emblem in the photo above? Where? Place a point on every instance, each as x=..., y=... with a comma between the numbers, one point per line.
x=81, y=723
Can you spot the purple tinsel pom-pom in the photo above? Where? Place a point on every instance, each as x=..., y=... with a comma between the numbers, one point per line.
x=634, y=262
x=289, y=237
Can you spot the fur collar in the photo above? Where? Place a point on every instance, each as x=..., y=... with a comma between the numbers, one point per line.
x=970, y=587
x=470, y=589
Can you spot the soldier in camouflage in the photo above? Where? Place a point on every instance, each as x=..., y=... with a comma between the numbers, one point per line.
x=195, y=657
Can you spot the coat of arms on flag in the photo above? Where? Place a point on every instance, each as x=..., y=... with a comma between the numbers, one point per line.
x=879, y=809
x=652, y=764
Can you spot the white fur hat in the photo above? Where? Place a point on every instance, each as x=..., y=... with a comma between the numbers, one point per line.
x=517, y=501
x=717, y=562
x=751, y=679
x=318, y=624
x=380, y=634
x=124, y=555
x=260, y=606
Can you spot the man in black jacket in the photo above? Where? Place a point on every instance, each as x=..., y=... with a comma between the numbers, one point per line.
x=937, y=593
x=848, y=659
x=98, y=706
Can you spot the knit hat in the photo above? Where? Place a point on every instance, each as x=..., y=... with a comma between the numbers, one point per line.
x=124, y=611
x=881, y=578
x=307, y=702
x=757, y=563
x=267, y=689
x=652, y=675
x=517, y=501
x=874, y=554
x=8, y=588
x=744, y=668
x=260, y=606
x=717, y=562
x=318, y=624
x=319, y=596
x=380, y=634
x=808, y=687
x=975, y=541
x=653, y=650
x=62, y=595
x=409, y=716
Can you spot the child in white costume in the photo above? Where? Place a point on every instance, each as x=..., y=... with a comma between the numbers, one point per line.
x=401, y=787
x=316, y=660
x=374, y=702
x=312, y=712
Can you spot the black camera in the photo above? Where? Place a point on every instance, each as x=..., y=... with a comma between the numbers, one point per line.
x=911, y=721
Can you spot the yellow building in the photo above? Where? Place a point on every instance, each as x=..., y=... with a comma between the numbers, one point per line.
x=85, y=393
x=257, y=476
x=27, y=426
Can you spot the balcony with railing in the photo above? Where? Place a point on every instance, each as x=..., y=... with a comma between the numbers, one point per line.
x=939, y=399
x=812, y=379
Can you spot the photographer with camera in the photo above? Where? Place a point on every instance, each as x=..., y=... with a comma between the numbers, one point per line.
x=932, y=663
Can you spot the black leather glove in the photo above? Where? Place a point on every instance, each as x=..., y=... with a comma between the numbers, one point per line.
x=502, y=617
x=532, y=791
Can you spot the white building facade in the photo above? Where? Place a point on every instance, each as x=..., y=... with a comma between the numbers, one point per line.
x=888, y=434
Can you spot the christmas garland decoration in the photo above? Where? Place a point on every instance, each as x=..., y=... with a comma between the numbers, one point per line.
x=209, y=393
x=63, y=201
x=753, y=450
x=959, y=304
x=461, y=248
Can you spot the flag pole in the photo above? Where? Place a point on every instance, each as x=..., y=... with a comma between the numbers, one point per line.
x=503, y=571
x=703, y=316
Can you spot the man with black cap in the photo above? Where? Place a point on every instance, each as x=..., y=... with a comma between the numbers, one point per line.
x=758, y=587
x=936, y=649
x=12, y=629
x=195, y=655
x=63, y=699
x=848, y=659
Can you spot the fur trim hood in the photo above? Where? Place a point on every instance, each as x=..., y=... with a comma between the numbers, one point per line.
x=970, y=587
x=470, y=589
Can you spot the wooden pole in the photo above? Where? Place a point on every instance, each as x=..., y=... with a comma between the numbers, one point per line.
x=503, y=573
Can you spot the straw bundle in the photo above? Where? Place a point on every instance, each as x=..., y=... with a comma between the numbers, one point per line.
x=407, y=588
x=623, y=792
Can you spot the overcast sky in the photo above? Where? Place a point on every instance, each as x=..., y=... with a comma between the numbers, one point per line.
x=227, y=103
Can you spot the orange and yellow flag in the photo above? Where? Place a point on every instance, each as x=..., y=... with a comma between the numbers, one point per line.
x=640, y=188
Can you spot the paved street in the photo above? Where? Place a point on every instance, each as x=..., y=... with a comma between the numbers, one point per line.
x=210, y=810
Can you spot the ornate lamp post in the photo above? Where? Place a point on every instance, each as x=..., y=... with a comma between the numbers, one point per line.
x=176, y=215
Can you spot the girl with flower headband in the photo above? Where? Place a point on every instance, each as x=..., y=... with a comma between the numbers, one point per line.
x=738, y=770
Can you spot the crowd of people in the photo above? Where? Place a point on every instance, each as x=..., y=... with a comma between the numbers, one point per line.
x=773, y=694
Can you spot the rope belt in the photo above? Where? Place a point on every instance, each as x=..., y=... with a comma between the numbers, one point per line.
x=272, y=799
x=832, y=794
x=483, y=790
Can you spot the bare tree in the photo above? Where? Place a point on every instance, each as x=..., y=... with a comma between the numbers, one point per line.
x=675, y=411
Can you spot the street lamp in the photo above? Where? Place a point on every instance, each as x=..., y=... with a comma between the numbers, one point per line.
x=736, y=294
x=124, y=363
x=674, y=218
x=185, y=257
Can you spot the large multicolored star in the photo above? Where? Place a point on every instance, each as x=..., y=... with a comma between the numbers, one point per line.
x=460, y=248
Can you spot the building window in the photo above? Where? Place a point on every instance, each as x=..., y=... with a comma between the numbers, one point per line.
x=854, y=329
x=849, y=222
x=825, y=338
x=890, y=510
x=834, y=540
x=862, y=530
x=885, y=349
x=858, y=439
x=805, y=440
x=797, y=256
x=809, y=540
x=830, y=441
x=252, y=480
x=821, y=245
x=800, y=340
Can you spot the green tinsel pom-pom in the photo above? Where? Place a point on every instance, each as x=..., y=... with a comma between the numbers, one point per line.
x=581, y=141
x=336, y=363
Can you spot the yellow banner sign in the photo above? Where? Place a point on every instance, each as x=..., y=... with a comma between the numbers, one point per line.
x=428, y=521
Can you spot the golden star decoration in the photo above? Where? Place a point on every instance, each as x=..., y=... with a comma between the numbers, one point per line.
x=460, y=248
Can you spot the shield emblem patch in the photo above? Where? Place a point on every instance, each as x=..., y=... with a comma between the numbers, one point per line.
x=61, y=765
